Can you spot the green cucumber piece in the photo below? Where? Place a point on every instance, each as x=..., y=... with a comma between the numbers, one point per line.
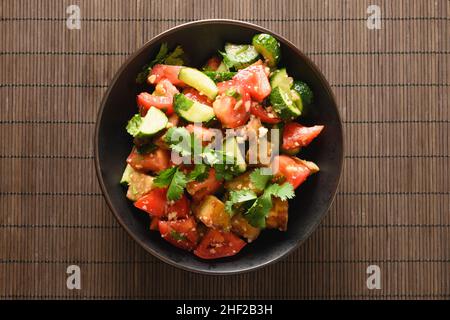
x=280, y=78
x=139, y=184
x=231, y=148
x=239, y=56
x=191, y=110
x=145, y=127
x=218, y=76
x=154, y=121
x=198, y=80
x=304, y=91
x=283, y=105
x=297, y=100
x=126, y=176
x=268, y=47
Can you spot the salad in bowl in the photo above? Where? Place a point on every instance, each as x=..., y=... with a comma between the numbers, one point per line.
x=213, y=161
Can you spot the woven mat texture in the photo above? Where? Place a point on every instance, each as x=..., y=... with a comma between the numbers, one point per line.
x=392, y=207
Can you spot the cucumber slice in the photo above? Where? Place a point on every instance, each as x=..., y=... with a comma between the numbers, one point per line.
x=297, y=99
x=222, y=67
x=154, y=121
x=280, y=78
x=268, y=47
x=304, y=91
x=198, y=80
x=191, y=110
x=283, y=105
x=239, y=56
x=139, y=184
x=217, y=76
x=231, y=148
x=126, y=176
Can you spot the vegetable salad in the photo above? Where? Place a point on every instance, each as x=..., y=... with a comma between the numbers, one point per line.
x=189, y=168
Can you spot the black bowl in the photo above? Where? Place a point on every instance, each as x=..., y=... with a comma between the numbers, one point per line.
x=200, y=40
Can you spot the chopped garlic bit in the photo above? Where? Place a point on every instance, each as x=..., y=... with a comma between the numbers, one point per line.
x=237, y=105
x=152, y=78
x=172, y=216
x=247, y=106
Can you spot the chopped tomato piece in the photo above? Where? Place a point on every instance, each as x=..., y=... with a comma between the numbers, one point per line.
x=218, y=244
x=296, y=136
x=178, y=209
x=166, y=88
x=213, y=63
x=200, y=189
x=161, y=71
x=193, y=94
x=294, y=170
x=264, y=114
x=146, y=100
x=155, y=161
x=224, y=86
x=232, y=113
x=154, y=202
x=181, y=233
x=255, y=81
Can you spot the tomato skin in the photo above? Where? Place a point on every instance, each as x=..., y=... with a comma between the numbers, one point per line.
x=155, y=161
x=293, y=169
x=156, y=205
x=154, y=224
x=296, y=136
x=180, y=207
x=146, y=100
x=161, y=71
x=255, y=81
x=225, y=85
x=193, y=94
x=218, y=244
x=200, y=189
x=213, y=63
x=186, y=228
x=228, y=114
x=265, y=116
x=154, y=202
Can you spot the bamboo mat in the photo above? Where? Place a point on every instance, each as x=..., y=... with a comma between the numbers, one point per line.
x=392, y=207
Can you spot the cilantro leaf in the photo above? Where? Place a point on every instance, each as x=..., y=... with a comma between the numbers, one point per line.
x=173, y=58
x=239, y=196
x=177, y=236
x=180, y=140
x=199, y=173
x=223, y=171
x=177, y=185
x=162, y=53
x=257, y=213
x=258, y=179
x=142, y=76
x=164, y=178
x=134, y=125
x=284, y=191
